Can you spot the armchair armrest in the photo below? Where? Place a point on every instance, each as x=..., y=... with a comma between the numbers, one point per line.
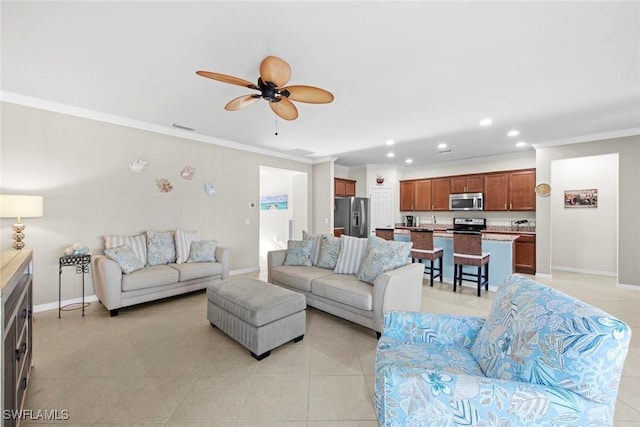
x=223, y=256
x=399, y=289
x=107, y=281
x=444, y=329
x=274, y=259
x=403, y=396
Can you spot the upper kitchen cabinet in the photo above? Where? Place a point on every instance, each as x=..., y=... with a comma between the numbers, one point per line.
x=466, y=184
x=510, y=191
x=423, y=195
x=440, y=194
x=407, y=195
x=344, y=187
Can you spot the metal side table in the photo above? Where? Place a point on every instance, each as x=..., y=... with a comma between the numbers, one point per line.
x=81, y=263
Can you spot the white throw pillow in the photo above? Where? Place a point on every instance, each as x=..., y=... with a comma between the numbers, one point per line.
x=317, y=244
x=351, y=254
x=137, y=243
x=183, y=244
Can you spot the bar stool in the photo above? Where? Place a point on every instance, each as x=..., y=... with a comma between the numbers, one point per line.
x=385, y=233
x=467, y=251
x=423, y=249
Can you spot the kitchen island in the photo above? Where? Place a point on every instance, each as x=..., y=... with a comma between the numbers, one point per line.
x=501, y=247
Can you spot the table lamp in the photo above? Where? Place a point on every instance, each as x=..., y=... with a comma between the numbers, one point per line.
x=14, y=206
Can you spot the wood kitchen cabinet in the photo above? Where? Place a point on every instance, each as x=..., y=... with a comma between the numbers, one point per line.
x=407, y=195
x=525, y=254
x=423, y=195
x=466, y=184
x=344, y=187
x=510, y=191
x=440, y=194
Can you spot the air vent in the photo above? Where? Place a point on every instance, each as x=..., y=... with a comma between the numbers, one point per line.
x=445, y=151
x=300, y=153
x=175, y=125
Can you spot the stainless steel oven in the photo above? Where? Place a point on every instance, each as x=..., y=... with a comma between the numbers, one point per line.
x=466, y=202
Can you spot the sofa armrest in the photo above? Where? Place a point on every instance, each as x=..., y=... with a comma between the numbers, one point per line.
x=274, y=259
x=107, y=281
x=223, y=256
x=447, y=329
x=470, y=400
x=399, y=289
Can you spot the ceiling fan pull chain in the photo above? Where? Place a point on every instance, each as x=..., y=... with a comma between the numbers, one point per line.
x=276, y=122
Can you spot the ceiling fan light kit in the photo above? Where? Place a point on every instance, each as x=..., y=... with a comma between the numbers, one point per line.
x=274, y=74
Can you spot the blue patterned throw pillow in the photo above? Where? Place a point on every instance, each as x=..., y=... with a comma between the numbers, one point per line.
x=203, y=251
x=382, y=256
x=329, y=251
x=126, y=258
x=161, y=247
x=299, y=252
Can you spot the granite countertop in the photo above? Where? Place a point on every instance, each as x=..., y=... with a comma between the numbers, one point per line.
x=442, y=232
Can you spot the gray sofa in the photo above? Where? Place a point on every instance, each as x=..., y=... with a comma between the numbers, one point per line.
x=345, y=296
x=116, y=290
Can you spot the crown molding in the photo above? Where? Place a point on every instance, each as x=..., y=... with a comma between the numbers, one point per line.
x=588, y=138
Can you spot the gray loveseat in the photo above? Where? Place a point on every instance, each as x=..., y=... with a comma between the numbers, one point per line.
x=116, y=290
x=345, y=296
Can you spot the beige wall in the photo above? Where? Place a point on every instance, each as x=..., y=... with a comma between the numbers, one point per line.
x=628, y=150
x=80, y=166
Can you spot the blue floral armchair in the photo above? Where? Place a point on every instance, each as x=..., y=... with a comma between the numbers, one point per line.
x=541, y=358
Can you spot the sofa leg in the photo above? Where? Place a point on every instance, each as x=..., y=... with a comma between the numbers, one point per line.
x=114, y=312
x=298, y=339
x=213, y=325
x=262, y=356
x=378, y=335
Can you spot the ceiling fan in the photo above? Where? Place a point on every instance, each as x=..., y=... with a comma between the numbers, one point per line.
x=274, y=74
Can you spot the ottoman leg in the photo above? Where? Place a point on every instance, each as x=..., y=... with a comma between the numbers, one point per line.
x=298, y=339
x=262, y=356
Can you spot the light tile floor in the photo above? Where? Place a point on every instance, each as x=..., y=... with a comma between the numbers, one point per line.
x=163, y=364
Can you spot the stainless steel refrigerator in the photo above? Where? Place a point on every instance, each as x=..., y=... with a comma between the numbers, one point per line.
x=352, y=213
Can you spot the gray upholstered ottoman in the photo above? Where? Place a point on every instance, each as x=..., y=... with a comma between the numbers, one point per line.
x=257, y=314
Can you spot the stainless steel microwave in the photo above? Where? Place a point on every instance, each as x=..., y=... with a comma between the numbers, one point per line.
x=466, y=202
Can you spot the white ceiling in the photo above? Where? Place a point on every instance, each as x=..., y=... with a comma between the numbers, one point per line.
x=415, y=72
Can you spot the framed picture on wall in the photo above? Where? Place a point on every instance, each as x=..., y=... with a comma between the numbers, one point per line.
x=279, y=201
x=581, y=198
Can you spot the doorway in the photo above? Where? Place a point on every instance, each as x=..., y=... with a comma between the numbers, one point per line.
x=283, y=208
x=381, y=207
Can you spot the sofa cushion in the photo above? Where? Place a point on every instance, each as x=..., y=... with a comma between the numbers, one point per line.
x=344, y=288
x=329, y=251
x=197, y=270
x=351, y=254
x=138, y=244
x=203, y=251
x=149, y=277
x=183, y=244
x=297, y=277
x=126, y=258
x=317, y=242
x=537, y=334
x=382, y=256
x=161, y=248
x=299, y=253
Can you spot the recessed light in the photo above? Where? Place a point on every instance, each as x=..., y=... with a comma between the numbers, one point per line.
x=486, y=122
x=390, y=155
x=442, y=145
x=521, y=144
x=390, y=142
x=513, y=133
x=408, y=161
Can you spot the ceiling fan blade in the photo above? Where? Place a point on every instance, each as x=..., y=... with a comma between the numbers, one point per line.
x=309, y=94
x=227, y=79
x=285, y=109
x=275, y=70
x=241, y=102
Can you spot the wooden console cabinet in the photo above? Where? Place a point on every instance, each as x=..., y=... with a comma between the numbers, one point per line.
x=16, y=303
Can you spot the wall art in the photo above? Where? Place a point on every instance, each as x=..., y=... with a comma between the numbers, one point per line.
x=279, y=201
x=164, y=185
x=209, y=189
x=138, y=165
x=188, y=172
x=581, y=198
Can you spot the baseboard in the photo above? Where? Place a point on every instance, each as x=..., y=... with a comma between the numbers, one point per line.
x=585, y=271
x=54, y=305
x=543, y=276
x=628, y=287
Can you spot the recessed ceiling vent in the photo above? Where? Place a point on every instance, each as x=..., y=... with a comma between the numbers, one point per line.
x=445, y=151
x=177, y=126
x=300, y=153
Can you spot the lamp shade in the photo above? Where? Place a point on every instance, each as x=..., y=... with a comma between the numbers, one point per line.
x=14, y=206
